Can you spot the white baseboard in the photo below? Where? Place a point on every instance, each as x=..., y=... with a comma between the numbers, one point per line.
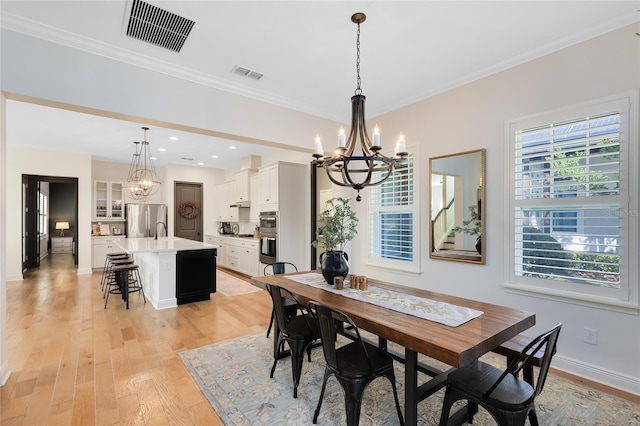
x=18, y=277
x=4, y=373
x=597, y=374
x=165, y=303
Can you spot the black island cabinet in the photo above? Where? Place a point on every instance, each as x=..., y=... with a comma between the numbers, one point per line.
x=195, y=275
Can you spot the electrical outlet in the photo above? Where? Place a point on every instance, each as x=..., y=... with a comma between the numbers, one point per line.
x=591, y=335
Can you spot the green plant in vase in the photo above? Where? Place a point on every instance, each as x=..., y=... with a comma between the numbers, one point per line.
x=472, y=226
x=338, y=224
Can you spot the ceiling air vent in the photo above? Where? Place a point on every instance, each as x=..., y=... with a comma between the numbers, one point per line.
x=157, y=26
x=247, y=73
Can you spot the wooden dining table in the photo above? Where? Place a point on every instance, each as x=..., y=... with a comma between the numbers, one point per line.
x=454, y=346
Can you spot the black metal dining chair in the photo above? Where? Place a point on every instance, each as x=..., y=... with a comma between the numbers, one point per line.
x=354, y=365
x=509, y=399
x=298, y=332
x=275, y=269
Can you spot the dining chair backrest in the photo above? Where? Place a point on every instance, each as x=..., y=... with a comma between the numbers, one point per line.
x=327, y=320
x=278, y=295
x=546, y=341
x=277, y=268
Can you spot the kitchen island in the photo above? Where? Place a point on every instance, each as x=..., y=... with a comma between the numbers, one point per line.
x=173, y=270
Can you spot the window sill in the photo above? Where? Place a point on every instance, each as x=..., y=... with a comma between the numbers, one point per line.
x=395, y=269
x=575, y=299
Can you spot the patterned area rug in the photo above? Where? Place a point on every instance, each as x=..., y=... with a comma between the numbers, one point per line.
x=232, y=286
x=234, y=376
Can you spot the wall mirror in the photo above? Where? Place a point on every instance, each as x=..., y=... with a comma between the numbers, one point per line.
x=457, y=210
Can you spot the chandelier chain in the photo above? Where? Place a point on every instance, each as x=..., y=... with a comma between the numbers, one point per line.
x=358, y=163
x=358, y=89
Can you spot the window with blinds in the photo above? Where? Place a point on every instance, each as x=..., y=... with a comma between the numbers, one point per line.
x=43, y=214
x=569, y=206
x=392, y=215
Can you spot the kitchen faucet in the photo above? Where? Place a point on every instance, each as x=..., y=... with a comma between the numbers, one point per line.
x=165, y=228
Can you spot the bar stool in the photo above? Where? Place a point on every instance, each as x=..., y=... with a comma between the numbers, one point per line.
x=110, y=280
x=106, y=271
x=127, y=279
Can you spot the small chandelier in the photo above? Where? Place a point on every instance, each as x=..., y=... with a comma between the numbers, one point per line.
x=143, y=181
x=356, y=169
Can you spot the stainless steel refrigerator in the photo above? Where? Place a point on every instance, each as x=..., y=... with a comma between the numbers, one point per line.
x=144, y=220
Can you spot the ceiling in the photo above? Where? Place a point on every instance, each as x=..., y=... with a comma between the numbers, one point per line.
x=306, y=52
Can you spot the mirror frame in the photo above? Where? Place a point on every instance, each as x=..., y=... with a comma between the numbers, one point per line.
x=472, y=256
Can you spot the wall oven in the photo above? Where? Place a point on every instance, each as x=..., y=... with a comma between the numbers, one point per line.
x=268, y=237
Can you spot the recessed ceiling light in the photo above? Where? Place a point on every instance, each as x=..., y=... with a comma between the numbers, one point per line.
x=174, y=138
x=214, y=156
x=162, y=149
x=232, y=147
x=200, y=164
x=154, y=158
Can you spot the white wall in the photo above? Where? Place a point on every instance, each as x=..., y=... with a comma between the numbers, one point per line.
x=45, y=163
x=4, y=363
x=40, y=69
x=473, y=116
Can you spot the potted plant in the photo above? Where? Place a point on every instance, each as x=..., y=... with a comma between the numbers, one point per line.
x=472, y=226
x=338, y=225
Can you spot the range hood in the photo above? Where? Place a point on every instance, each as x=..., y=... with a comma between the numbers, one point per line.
x=241, y=204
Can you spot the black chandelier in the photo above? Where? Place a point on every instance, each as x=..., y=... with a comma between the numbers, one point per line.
x=351, y=167
x=142, y=181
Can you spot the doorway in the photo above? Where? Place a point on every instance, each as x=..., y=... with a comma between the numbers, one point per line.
x=321, y=192
x=48, y=202
x=187, y=213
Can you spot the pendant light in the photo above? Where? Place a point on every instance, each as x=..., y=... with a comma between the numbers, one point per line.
x=357, y=161
x=143, y=181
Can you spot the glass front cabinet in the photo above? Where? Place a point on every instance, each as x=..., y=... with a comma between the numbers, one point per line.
x=108, y=201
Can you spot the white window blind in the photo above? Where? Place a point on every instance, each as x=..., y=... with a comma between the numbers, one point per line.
x=392, y=216
x=569, y=206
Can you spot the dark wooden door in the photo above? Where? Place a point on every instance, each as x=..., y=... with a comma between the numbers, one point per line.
x=188, y=219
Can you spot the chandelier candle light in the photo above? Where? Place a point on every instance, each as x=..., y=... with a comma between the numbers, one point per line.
x=355, y=170
x=143, y=181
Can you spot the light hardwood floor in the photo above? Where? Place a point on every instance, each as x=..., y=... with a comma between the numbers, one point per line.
x=75, y=363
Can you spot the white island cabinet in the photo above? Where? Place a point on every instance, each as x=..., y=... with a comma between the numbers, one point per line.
x=160, y=269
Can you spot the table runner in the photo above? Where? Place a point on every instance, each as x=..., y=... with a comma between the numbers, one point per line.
x=432, y=310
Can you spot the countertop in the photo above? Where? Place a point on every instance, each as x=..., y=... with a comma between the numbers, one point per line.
x=162, y=244
x=235, y=237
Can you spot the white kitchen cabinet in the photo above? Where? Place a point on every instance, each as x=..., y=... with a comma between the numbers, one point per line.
x=231, y=257
x=219, y=242
x=254, y=212
x=248, y=258
x=241, y=255
x=107, y=200
x=284, y=187
x=101, y=247
x=222, y=193
x=241, y=193
x=268, y=195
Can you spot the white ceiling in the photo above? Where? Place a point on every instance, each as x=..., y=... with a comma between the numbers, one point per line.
x=410, y=50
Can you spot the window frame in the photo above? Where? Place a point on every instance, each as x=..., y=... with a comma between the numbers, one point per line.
x=43, y=216
x=412, y=266
x=626, y=296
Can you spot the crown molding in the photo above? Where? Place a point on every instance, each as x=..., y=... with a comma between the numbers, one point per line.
x=65, y=38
